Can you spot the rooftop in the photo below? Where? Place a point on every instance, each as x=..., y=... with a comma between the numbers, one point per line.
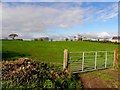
x=116, y=37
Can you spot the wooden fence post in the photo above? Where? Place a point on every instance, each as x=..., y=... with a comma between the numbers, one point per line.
x=95, y=60
x=115, y=57
x=106, y=59
x=65, y=61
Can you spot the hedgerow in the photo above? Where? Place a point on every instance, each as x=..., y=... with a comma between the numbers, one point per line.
x=25, y=73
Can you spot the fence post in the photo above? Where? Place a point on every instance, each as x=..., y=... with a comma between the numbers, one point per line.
x=106, y=60
x=65, y=61
x=95, y=60
x=115, y=57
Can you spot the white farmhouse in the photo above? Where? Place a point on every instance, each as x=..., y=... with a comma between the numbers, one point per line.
x=116, y=39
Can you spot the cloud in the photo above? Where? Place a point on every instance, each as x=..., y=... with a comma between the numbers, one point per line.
x=103, y=35
x=109, y=12
x=30, y=19
x=96, y=35
x=102, y=14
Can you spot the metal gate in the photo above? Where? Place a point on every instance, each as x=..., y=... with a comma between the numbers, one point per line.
x=90, y=60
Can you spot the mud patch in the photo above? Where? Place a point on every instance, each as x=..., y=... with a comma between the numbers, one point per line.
x=100, y=79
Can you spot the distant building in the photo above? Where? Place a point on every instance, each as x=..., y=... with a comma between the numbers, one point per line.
x=19, y=39
x=116, y=39
x=78, y=38
x=42, y=39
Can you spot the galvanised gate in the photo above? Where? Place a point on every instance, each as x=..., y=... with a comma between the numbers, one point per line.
x=88, y=60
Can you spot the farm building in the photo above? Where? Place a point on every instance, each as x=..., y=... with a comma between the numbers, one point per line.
x=42, y=39
x=116, y=39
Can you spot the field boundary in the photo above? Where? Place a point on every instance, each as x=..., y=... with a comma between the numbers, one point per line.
x=89, y=60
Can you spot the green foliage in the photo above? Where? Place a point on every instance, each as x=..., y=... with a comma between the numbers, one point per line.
x=36, y=75
x=48, y=84
x=13, y=36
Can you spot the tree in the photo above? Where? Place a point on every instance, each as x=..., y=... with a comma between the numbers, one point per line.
x=35, y=39
x=13, y=36
x=66, y=39
x=51, y=39
x=74, y=38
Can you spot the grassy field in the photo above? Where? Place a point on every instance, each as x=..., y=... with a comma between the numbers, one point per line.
x=52, y=52
x=49, y=51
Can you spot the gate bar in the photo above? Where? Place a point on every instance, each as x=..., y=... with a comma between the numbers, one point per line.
x=83, y=62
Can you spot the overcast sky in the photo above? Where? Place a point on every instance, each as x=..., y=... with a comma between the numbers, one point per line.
x=54, y=19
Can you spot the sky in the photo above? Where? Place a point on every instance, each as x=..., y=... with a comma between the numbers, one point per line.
x=59, y=19
x=60, y=0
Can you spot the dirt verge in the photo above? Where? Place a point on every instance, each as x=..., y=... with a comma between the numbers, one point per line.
x=108, y=79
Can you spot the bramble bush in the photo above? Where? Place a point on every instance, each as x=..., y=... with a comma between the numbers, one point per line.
x=25, y=73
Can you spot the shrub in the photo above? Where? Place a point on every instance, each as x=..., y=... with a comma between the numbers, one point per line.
x=36, y=75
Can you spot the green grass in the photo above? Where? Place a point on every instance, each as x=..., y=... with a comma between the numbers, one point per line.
x=49, y=51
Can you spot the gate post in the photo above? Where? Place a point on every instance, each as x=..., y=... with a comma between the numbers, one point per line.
x=115, y=57
x=95, y=60
x=83, y=62
x=65, y=61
